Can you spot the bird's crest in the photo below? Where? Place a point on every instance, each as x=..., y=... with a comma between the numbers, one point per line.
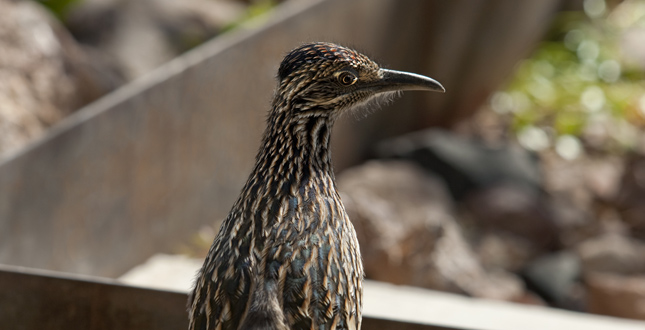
x=320, y=52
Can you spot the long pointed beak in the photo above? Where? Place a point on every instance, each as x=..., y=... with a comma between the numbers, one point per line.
x=392, y=80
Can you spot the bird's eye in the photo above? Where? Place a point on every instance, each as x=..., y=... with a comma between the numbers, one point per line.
x=347, y=78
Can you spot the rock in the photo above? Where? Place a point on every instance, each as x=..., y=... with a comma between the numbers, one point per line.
x=629, y=200
x=582, y=194
x=554, y=278
x=616, y=295
x=93, y=22
x=513, y=209
x=408, y=235
x=466, y=165
x=189, y=23
x=573, y=224
x=141, y=35
x=503, y=250
x=612, y=253
x=602, y=176
x=44, y=74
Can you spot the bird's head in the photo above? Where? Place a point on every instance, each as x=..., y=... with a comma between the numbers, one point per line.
x=323, y=79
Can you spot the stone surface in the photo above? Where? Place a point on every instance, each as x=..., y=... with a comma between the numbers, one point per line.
x=408, y=235
x=616, y=295
x=516, y=210
x=631, y=195
x=582, y=195
x=504, y=250
x=612, y=253
x=465, y=164
x=554, y=277
x=44, y=74
x=141, y=35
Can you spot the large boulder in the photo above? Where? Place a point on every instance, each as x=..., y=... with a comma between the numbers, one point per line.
x=466, y=164
x=513, y=210
x=408, y=234
x=44, y=74
x=612, y=253
x=555, y=278
x=141, y=35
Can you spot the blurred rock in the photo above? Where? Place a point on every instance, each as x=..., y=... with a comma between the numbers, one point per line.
x=581, y=194
x=573, y=224
x=612, y=253
x=513, y=209
x=403, y=218
x=503, y=250
x=585, y=178
x=631, y=195
x=44, y=74
x=616, y=295
x=93, y=22
x=565, y=180
x=554, y=277
x=141, y=35
x=465, y=164
x=602, y=176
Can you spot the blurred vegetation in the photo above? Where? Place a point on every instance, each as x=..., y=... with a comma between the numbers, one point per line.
x=255, y=9
x=59, y=7
x=581, y=90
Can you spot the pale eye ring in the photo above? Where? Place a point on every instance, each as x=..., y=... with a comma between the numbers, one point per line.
x=347, y=78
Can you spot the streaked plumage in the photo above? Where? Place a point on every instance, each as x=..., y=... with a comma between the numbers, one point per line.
x=287, y=257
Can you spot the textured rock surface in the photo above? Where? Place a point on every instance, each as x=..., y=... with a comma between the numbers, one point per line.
x=632, y=194
x=499, y=249
x=581, y=193
x=465, y=164
x=141, y=35
x=516, y=210
x=44, y=74
x=408, y=235
x=616, y=295
x=554, y=276
x=612, y=253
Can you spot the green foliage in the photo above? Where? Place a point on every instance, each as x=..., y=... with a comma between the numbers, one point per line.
x=579, y=82
x=58, y=7
x=256, y=9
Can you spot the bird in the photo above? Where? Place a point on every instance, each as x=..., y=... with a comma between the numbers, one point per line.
x=286, y=257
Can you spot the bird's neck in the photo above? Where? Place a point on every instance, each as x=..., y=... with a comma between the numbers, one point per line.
x=292, y=179
x=296, y=152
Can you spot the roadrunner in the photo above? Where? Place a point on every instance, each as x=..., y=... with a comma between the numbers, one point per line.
x=286, y=257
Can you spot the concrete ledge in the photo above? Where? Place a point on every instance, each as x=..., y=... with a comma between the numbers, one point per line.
x=422, y=306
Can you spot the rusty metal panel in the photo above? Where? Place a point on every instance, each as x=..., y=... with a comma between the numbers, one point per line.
x=32, y=300
x=370, y=323
x=139, y=171
x=35, y=300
